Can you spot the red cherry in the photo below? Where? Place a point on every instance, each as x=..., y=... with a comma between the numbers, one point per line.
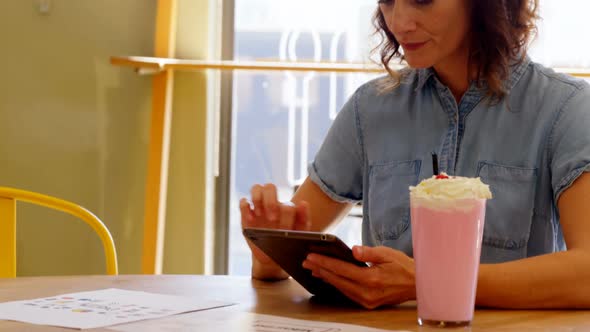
x=441, y=176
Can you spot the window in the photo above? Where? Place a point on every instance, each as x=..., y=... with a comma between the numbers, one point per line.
x=560, y=41
x=280, y=118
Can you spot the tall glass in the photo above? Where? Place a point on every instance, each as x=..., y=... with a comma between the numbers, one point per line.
x=446, y=236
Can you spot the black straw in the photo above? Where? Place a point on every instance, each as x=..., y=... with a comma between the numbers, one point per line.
x=434, y=164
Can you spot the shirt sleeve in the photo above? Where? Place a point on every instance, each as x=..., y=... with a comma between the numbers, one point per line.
x=570, y=141
x=338, y=165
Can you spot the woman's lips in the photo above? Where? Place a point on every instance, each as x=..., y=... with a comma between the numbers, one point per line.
x=412, y=46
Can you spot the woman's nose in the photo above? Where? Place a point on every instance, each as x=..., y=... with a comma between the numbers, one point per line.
x=402, y=18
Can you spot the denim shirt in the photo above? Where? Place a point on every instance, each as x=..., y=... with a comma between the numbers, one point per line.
x=529, y=147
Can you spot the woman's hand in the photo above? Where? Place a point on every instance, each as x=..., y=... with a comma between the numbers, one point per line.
x=267, y=212
x=388, y=280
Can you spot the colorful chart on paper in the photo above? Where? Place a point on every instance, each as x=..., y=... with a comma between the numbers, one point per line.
x=101, y=308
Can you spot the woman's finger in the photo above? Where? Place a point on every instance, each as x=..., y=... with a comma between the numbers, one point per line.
x=270, y=202
x=373, y=255
x=337, y=266
x=256, y=194
x=302, y=216
x=246, y=213
x=286, y=216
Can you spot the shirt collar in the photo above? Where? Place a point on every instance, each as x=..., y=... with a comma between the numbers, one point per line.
x=424, y=74
x=517, y=69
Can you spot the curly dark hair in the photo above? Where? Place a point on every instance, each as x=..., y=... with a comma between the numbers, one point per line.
x=500, y=34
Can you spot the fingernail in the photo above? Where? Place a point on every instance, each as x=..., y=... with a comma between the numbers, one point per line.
x=310, y=258
x=305, y=264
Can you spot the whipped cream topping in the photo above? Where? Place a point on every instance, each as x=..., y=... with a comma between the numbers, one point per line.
x=442, y=193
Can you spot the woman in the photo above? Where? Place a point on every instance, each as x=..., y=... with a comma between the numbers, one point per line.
x=474, y=97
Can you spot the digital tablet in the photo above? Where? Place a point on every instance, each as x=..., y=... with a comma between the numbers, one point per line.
x=290, y=248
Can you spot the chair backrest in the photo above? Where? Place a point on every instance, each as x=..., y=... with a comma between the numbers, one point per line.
x=8, y=199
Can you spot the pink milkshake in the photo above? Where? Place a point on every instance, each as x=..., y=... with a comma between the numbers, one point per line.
x=447, y=215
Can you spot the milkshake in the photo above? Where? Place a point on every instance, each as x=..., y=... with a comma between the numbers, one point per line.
x=447, y=216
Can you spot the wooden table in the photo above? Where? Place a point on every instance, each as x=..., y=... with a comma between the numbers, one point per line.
x=285, y=298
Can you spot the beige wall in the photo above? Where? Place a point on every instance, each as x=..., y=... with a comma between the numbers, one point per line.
x=184, y=249
x=73, y=126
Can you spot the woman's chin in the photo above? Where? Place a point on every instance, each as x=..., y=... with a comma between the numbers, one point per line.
x=417, y=63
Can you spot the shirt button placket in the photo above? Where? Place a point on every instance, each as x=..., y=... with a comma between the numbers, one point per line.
x=447, y=153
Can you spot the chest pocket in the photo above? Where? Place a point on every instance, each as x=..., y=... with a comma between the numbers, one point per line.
x=509, y=213
x=389, y=198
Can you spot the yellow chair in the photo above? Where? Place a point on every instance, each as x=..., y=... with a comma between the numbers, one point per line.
x=8, y=198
